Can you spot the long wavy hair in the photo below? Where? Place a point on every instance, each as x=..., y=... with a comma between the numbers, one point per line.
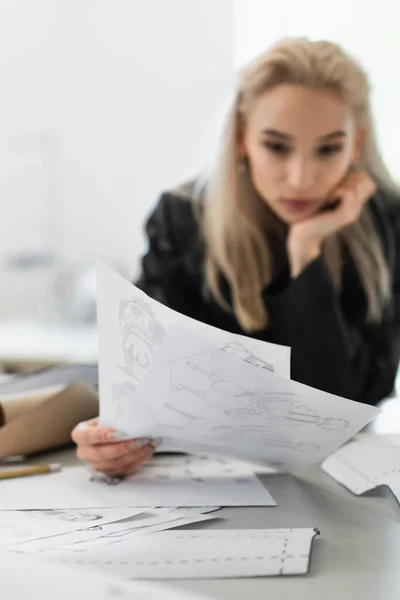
x=234, y=218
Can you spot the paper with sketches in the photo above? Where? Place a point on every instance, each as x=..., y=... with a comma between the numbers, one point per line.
x=197, y=398
x=76, y=487
x=203, y=554
x=202, y=464
x=25, y=577
x=22, y=526
x=113, y=533
x=131, y=328
x=361, y=467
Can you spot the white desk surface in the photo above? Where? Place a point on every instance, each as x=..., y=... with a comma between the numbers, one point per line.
x=357, y=555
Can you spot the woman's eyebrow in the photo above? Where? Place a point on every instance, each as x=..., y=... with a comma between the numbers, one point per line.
x=285, y=136
x=334, y=134
x=277, y=134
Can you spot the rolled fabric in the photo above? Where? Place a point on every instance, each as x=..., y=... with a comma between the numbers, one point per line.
x=13, y=406
x=47, y=423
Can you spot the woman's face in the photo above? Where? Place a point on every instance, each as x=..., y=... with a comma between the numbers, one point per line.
x=299, y=143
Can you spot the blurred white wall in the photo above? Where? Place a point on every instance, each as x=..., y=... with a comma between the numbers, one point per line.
x=104, y=104
x=123, y=89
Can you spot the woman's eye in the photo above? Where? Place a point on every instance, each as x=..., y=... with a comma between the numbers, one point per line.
x=276, y=147
x=329, y=149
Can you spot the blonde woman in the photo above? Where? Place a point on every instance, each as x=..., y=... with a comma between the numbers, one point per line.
x=290, y=236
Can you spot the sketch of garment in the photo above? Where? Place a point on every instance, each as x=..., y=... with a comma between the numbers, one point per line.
x=198, y=422
x=122, y=395
x=212, y=430
x=280, y=407
x=284, y=408
x=263, y=434
x=236, y=348
x=215, y=387
x=142, y=334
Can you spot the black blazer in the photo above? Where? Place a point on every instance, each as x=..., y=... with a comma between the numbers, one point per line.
x=333, y=348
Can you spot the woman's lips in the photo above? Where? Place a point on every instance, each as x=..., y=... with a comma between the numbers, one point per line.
x=297, y=206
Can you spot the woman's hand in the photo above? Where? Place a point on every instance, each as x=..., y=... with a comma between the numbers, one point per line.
x=100, y=448
x=305, y=238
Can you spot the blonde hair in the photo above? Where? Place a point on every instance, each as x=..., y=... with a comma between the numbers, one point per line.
x=234, y=217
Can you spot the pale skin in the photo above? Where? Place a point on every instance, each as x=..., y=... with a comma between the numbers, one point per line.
x=98, y=446
x=301, y=145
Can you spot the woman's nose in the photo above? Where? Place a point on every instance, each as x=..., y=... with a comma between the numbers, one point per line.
x=301, y=176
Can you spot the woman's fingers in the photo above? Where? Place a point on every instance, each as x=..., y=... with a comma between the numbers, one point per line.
x=106, y=452
x=89, y=433
x=125, y=465
x=99, y=446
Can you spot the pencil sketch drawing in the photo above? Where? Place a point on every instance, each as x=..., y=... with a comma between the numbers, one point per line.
x=103, y=478
x=283, y=407
x=279, y=407
x=214, y=431
x=142, y=334
x=69, y=515
x=122, y=394
x=236, y=348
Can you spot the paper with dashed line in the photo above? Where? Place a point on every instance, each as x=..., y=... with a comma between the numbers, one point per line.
x=204, y=554
x=361, y=466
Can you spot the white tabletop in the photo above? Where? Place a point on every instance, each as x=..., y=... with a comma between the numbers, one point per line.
x=356, y=556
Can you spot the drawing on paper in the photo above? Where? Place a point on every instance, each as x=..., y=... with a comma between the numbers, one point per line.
x=218, y=384
x=142, y=334
x=280, y=407
x=69, y=515
x=264, y=436
x=213, y=431
x=122, y=394
x=236, y=348
x=283, y=407
x=103, y=478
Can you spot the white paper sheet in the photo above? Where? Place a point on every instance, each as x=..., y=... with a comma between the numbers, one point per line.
x=204, y=554
x=28, y=578
x=131, y=327
x=22, y=526
x=197, y=398
x=361, y=467
x=196, y=465
x=75, y=487
x=114, y=533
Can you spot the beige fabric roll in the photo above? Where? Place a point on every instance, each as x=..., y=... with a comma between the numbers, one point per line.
x=13, y=407
x=47, y=422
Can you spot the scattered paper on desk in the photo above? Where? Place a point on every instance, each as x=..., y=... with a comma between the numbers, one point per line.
x=75, y=487
x=171, y=378
x=112, y=534
x=23, y=526
x=203, y=554
x=23, y=578
x=361, y=467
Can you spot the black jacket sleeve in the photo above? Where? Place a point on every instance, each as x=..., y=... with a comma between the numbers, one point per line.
x=346, y=357
x=172, y=231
